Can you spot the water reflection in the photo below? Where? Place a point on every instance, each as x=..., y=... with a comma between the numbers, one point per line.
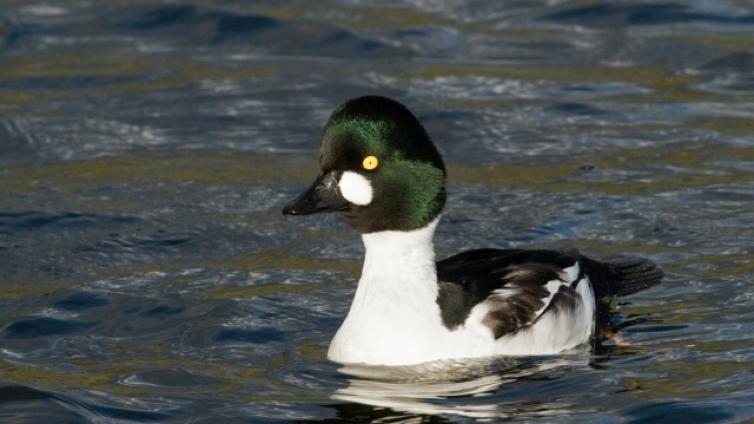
x=452, y=387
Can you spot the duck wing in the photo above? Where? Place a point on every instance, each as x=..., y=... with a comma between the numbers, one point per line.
x=519, y=286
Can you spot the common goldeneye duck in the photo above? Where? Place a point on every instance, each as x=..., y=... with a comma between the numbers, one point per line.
x=380, y=169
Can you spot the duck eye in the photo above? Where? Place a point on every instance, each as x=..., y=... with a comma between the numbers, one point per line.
x=370, y=163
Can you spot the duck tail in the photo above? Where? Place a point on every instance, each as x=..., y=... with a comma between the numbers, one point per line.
x=621, y=276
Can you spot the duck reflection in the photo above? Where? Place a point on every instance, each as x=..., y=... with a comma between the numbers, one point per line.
x=485, y=389
x=427, y=393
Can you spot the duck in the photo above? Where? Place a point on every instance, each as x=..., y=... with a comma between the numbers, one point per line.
x=380, y=170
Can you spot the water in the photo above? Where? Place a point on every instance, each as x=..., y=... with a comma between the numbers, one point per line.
x=146, y=150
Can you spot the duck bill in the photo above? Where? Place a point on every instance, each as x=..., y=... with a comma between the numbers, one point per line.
x=322, y=196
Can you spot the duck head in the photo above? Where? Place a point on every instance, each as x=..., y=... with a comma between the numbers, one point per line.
x=378, y=167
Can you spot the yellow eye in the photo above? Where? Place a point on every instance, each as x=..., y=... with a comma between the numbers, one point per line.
x=370, y=162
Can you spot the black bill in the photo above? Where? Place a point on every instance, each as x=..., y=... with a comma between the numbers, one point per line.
x=322, y=196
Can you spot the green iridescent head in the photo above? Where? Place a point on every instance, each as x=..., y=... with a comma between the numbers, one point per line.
x=378, y=167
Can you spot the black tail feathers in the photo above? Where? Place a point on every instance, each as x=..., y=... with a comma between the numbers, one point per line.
x=622, y=276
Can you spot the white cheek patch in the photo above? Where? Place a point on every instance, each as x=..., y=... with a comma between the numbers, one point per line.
x=355, y=188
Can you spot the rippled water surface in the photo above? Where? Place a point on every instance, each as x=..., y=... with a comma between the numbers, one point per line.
x=146, y=148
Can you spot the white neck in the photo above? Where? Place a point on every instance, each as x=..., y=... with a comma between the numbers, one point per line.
x=392, y=253
x=396, y=300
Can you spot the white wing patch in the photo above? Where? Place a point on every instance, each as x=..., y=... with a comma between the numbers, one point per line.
x=567, y=275
x=553, y=287
x=570, y=274
x=506, y=292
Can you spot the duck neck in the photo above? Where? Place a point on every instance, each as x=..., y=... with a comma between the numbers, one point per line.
x=395, y=305
x=400, y=261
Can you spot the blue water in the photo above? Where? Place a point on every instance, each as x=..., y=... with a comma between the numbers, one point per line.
x=146, y=274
